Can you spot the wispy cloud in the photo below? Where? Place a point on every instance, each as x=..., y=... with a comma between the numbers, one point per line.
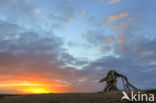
x=13, y=0
x=37, y=10
x=57, y=15
x=117, y=16
x=27, y=1
x=113, y=1
x=69, y=18
x=83, y=13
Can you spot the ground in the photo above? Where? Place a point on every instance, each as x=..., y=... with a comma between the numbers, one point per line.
x=100, y=97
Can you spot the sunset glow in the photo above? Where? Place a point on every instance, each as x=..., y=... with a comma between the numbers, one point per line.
x=32, y=86
x=59, y=46
x=37, y=90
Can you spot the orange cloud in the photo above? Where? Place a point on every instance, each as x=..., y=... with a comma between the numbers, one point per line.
x=37, y=10
x=110, y=41
x=69, y=18
x=114, y=1
x=117, y=16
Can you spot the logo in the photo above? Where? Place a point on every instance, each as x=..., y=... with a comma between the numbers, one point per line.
x=137, y=97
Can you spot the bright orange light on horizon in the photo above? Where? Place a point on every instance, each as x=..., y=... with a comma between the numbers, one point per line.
x=37, y=90
x=34, y=86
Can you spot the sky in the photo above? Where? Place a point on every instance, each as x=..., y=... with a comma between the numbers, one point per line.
x=58, y=46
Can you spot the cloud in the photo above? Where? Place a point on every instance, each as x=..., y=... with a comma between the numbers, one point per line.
x=117, y=16
x=57, y=15
x=37, y=10
x=83, y=13
x=19, y=11
x=27, y=1
x=99, y=37
x=65, y=12
x=13, y=0
x=113, y=1
x=27, y=56
x=69, y=18
x=131, y=50
x=135, y=64
x=23, y=51
x=134, y=57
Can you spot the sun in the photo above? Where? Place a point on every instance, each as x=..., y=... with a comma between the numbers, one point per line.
x=37, y=90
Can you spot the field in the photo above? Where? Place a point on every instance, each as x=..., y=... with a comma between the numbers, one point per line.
x=105, y=97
